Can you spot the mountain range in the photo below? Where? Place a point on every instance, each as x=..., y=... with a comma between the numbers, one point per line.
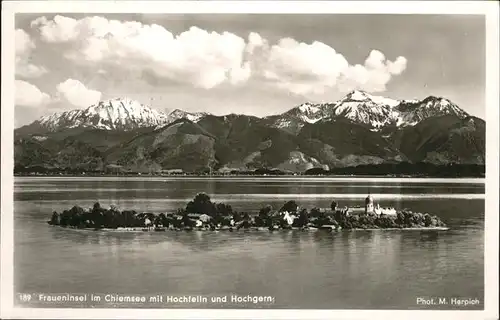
x=359, y=129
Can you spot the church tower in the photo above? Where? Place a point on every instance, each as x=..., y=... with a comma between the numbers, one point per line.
x=369, y=204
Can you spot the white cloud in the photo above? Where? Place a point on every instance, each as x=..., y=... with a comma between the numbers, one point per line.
x=301, y=68
x=398, y=66
x=28, y=70
x=24, y=47
x=204, y=59
x=28, y=95
x=208, y=59
x=58, y=30
x=23, y=42
x=375, y=60
x=77, y=94
x=316, y=68
x=241, y=75
x=255, y=41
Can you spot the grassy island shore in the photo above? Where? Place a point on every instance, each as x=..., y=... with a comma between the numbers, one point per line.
x=203, y=214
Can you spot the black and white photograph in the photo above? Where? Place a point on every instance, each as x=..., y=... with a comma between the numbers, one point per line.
x=249, y=159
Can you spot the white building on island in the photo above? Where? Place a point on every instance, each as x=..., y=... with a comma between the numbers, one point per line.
x=386, y=211
x=370, y=208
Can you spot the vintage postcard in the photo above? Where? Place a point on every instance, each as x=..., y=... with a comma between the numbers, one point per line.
x=249, y=160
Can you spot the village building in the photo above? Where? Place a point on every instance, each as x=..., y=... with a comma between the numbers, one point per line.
x=370, y=208
x=369, y=204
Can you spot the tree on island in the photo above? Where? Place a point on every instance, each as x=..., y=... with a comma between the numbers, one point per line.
x=55, y=219
x=333, y=206
x=113, y=218
x=96, y=215
x=316, y=213
x=223, y=209
x=130, y=218
x=302, y=220
x=263, y=219
x=76, y=216
x=264, y=212
x=290, y=206
x=162, y=219
x=188, y=223
x=237, y=217
x=201, y=204
x=245, y=221
x=318, y=217
x=222, y=215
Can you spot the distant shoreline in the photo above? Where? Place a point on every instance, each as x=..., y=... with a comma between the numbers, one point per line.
x=248, y=175
x=399, y=170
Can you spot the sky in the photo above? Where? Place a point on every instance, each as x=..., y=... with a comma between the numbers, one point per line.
x=257, y=64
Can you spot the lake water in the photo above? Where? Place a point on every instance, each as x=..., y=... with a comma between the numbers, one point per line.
x=298, y=269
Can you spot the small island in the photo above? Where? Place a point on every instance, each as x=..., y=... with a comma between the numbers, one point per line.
x=203, y=214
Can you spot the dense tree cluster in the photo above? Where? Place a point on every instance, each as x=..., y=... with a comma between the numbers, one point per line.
x=202, y=213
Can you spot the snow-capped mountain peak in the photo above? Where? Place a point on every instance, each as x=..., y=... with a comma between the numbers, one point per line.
x=363, y=96
x=309, y=108
x=439, y=103
x=413, y=112
x=371, y=110
x=358, y=106
x=112, y=114
x=361, y=107
x=181, y=114
x=308, y=112
x=357, y=95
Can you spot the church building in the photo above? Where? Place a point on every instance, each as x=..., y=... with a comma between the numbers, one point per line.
x=369, y=204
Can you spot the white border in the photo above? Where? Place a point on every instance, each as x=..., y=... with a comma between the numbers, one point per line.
x=488, y=8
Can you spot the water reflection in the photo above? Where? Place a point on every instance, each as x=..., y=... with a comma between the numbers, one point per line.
x=429, y=236
x=203, y=241
x=302, y=269
x=114, y=190
x=323, y=265
x=90, y=237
